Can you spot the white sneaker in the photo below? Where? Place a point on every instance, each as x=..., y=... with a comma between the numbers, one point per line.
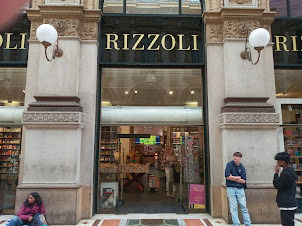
x=168, y=194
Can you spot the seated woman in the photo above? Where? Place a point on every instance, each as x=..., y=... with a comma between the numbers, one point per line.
x=33, y=205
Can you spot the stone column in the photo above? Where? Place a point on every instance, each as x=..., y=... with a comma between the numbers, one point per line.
x=57, y=157
x=241, y=101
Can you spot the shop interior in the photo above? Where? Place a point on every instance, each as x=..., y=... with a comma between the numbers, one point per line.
x=132, y=170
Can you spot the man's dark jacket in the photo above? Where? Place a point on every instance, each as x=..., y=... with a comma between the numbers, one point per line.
x=286, y=185
x=232, y=168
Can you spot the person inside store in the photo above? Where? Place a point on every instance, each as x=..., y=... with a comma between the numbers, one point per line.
x=286, y=185
x=32, y=212
x=235, y=175
x=170, y=160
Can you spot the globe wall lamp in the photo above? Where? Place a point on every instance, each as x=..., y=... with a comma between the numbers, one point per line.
x=259, y=38
x=48, y=35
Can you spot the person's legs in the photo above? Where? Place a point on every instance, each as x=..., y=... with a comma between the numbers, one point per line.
x=168, y=177
x=242, y=203
x=15, y=221
x=287, y=217
x=171, y=169
x=231, y=193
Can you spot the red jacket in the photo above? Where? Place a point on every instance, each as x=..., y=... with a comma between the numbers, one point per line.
x=26, y=212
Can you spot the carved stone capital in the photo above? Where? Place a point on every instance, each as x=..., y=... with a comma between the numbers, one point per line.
x=69, y=21
x=230, y=22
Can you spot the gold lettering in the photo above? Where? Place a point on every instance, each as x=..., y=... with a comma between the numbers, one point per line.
x=138, y=41
x=156, y=36
x=8, y=35
x=1, y=40
x=23, y=35
x=163, y=42
x=278, y=42
x=180, y=38
x=113, y=41
x=195, y=42
x=125, y=42
x=294, y=38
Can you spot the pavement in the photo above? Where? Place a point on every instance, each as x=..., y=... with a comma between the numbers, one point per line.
x=153, y=220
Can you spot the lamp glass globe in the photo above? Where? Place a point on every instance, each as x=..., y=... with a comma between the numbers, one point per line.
x=259, y=37
x=47, y=33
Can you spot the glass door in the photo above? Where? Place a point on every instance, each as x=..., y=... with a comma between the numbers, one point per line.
x=109, y=182
x=192, y=177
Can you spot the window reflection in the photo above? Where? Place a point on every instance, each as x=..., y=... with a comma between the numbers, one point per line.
x=279, y=6
x=12, y=86
x=153, y=7
x=288, y=83
x=296, y=8
x=151, y=87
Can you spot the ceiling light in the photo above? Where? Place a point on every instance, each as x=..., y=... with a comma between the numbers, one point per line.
x=135, y=91
x=192, y=92
x=23, y=91
x=171, y=92
x=126, y=92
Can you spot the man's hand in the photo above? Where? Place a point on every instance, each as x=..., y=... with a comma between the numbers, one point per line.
x=234, y=178
x=30, y=219
x=277, y=168
x=241, y=181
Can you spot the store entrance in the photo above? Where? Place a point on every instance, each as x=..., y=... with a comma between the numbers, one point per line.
x=149, y=169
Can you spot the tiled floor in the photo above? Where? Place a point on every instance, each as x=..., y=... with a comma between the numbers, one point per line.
x=152, y=220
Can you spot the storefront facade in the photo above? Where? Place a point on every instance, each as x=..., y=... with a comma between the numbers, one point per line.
x=171, y=66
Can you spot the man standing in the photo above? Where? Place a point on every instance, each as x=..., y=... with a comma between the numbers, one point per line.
x=286, y=185
x=235, y=179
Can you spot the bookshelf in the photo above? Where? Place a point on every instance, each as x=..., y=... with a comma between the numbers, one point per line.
x=108, y=144
x=10, y=147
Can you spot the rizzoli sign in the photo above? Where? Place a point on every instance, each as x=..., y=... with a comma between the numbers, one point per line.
x=287, y=44
x=155, y=42
x=6, y=40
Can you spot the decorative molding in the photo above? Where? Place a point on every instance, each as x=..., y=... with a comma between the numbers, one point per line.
x=36, y=3
x=62, y=2
x=232, y=120
x=229, y=22
x=71, y=21
x=248, y=2
x=33, y=29
x=89, y=31
x=54, y=118
x=64, y=26
x=241, y=3
x=215, y=32
x=234, y=29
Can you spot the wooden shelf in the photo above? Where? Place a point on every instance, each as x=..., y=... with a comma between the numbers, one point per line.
x=298, y=157
x=299, y=182
x=294, y=146
x=299, y=170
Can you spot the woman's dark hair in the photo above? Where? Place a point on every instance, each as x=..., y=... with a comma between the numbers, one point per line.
x=38, y=200
x=283, y=156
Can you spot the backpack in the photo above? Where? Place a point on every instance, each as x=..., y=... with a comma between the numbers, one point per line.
x=39, y=220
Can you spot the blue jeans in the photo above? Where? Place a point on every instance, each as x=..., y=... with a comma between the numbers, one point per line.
x=237, y=195
x=15, y=221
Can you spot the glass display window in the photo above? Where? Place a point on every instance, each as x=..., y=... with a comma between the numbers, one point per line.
x=290, y=136
x=12, y=86
x=288, y=83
